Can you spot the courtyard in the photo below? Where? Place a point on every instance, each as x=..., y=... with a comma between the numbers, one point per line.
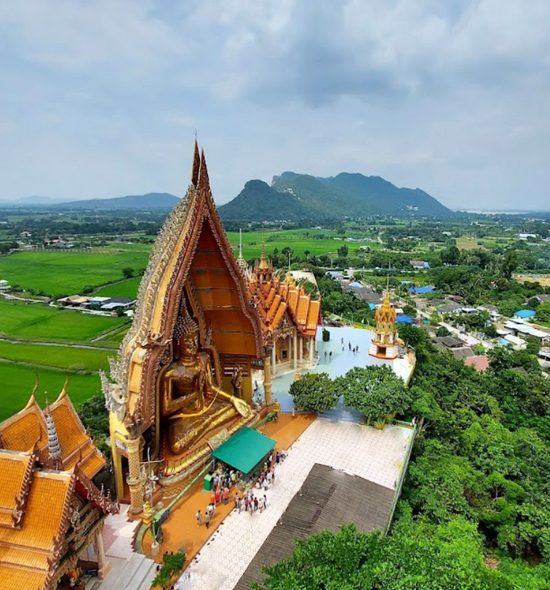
x=377, y=456
x=336, y=358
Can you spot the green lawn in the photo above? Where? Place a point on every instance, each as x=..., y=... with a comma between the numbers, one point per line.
x=70, y=272
x=127, y=288
x=39, y=322
x=18, y=381
x=63, y=357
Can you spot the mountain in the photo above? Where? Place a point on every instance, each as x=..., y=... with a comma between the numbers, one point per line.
x=258, y=201
x=147, y=201
x=296, y=197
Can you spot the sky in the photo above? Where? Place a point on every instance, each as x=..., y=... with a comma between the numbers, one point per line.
x=101, y=98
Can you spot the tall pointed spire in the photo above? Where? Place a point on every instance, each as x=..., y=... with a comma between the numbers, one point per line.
x=240, y=260
x=203, y=181
x=196, y=165
x=263, y=258
x=32, y=398
x=54, y=446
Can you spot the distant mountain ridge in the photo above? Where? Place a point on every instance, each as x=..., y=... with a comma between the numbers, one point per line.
x=299, y=197
x=147, y=201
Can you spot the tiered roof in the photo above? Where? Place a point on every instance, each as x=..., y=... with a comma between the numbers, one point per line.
x=37, y=492
x=276, y=299
x=27, y=431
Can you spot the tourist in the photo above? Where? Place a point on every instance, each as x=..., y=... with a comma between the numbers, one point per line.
x=255, y=504
x=261, y=504
x=225, y=495
x=207, y=520
x=198, y=517
x=330, y=355
x=217, y=496
x=266, y=484
x=213, y=497
x=325, y=356
x=273, y=476
x=265, y=501
x=342, y=340
x=349, y=346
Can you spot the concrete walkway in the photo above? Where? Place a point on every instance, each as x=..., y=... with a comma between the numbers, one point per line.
x=360, y=450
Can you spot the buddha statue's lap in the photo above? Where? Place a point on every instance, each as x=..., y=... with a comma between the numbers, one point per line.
x=190, y=401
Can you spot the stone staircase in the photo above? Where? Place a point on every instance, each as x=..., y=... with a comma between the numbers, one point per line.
x=135, y=573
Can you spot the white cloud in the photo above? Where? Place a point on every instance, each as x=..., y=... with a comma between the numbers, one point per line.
x=450, y=96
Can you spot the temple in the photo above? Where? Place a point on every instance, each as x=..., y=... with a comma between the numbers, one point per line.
x=289, y=315
x=51, y=511
x=186, y=371
x=385, y=341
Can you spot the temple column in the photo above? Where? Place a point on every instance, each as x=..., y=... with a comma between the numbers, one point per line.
x=300, y=349
x=273, y=358
x=311, y=349
x=134, y=479
x=103, y=565
x=295, y=350
x=267, y=381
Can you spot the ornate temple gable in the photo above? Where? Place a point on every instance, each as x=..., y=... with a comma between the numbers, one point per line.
x=191, y=259
x=27, y=431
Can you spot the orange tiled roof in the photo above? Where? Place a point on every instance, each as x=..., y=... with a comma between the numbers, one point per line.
x=27, y=428
x=276, y=299
x=25, y=551
x=15, y=473
x=76, y=445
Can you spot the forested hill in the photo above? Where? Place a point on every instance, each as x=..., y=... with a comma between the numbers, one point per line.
x=299, y=197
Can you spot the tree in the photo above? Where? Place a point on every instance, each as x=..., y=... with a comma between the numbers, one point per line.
x=343, y=251
x=442, y=331
x=414, y=556
x=128, y=272
x=314, y=392
x=375, y=391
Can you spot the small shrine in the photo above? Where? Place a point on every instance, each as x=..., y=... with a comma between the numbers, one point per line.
x=384, y=344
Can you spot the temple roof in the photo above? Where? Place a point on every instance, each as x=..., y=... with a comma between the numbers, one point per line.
x=36, y=493
x=26, y=552
x=191, y=264
x=277, y=299
x=26, y=431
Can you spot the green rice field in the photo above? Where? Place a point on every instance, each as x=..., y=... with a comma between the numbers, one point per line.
x=38, y=322
x=317, y=242
x=127, y=288
x=18, y=382
x=62, y=357
x=62, y=273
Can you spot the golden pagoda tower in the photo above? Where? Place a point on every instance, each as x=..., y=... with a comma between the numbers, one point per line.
x=384, y=343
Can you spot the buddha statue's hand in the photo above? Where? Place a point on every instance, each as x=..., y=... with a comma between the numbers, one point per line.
x=241, y=406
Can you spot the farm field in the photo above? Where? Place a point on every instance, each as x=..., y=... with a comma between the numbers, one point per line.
x=317, y=242
x=126, y=288
x=38, y=322
x=68, y=272
x=62, y=357
x=18, y=382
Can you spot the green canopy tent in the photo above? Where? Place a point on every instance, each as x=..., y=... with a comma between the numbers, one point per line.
x=244, y=450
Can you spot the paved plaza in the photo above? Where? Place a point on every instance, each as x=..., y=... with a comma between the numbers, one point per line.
x=376, y=455
x=338, y=361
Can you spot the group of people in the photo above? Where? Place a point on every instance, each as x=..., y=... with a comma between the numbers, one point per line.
x=354, y=349
x=224, y=479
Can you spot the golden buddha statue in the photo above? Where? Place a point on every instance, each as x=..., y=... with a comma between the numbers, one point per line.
x=189, y=397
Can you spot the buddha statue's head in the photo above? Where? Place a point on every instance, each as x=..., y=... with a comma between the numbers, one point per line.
x=186, y=337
